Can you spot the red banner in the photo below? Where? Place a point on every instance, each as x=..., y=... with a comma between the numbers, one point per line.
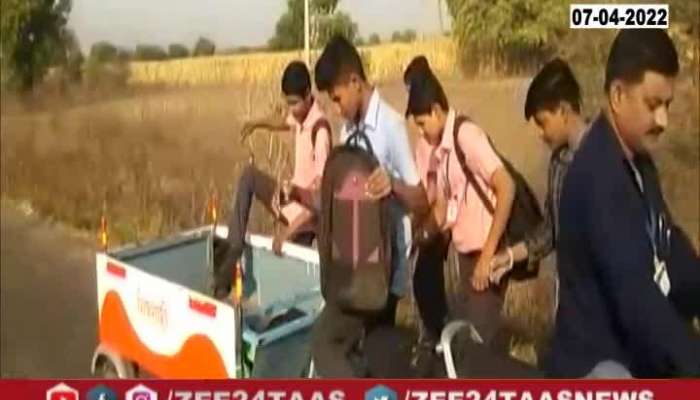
x=350, y=390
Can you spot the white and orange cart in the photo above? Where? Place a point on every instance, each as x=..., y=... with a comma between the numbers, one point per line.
x=157, y=318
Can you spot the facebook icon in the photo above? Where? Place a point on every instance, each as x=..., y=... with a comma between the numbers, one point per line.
x=380, y=392
x=101, y=393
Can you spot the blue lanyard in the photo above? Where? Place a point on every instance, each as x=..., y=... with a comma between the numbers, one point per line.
x=655, y=226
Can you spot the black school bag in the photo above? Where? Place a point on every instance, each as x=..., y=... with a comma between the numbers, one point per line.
x=525, y=213
x=354, y=241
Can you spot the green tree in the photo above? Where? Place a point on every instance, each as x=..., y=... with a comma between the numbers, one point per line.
x=289, y=30
x=106, y=67
x=323, y=6
x=406, y=36
x=71, y=57
x=506, y=33
x=409, y=35
x=31, y=33
x=203, y=47
x=149, y=52
x=124, y=55
x=178, y=50
x=338, y=23
x=374, y=39
x=103, y=52
x=326, y=21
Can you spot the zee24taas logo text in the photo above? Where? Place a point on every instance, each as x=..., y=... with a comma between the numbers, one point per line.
x=241, y=394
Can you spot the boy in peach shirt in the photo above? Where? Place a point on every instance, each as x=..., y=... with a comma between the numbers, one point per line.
x=459, y=214
x=312, y=143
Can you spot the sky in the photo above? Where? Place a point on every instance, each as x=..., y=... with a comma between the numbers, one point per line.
x=230, y=23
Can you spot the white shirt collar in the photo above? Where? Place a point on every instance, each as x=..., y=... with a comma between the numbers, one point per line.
x=372, y=114
x=371, y=118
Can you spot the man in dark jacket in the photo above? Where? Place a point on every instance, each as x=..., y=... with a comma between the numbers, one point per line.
x=630, y=281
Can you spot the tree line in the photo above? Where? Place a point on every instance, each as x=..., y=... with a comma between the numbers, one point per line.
x=326, y=20
x=107, y=52
x=35, y=39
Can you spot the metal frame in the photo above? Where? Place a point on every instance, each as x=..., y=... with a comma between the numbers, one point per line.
x=445, y=345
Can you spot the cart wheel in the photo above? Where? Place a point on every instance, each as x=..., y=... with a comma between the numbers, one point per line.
x=454, y=288
x=106, y=369
x=108, y=364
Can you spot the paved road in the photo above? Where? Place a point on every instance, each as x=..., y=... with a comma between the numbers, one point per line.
x=48, y=312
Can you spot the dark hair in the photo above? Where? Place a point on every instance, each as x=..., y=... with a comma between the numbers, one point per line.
x=416, y=69
x=424, y=94
x=296, y=79
x=553, y=84
x=339, y=59
x=636, y=51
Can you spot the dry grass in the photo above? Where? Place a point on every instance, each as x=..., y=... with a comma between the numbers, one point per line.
x=153, y=159
x=384, y=62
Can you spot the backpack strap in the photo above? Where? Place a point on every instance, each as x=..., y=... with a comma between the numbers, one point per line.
x=356, y=136
x=320, y=123
x=471, y=179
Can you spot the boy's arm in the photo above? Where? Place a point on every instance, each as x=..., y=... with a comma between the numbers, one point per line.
x=304, y=217
x=684, y=273
x=434, y=220
x=272, y=122
x=408, y=189
x=412, y=196
x=536, y=245
x=306, y=197
x=380, y=185
x=504, y=188
x=483, y=161
x=540, y=242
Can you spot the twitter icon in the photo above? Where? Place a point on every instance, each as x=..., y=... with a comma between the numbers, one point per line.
x=380, y=392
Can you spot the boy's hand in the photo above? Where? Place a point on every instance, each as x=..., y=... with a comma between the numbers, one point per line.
x=247, y=129
x=379, y=184
x=276, y=203
x=286, y=191
x=431, y=189
x=501, y=263
x=278, y=241
x=480, y=278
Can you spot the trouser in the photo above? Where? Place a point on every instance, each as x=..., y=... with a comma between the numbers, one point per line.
x=482, y=309
x=253, y=182
x=429, y=285
x=337, y=334
x=473, y=360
